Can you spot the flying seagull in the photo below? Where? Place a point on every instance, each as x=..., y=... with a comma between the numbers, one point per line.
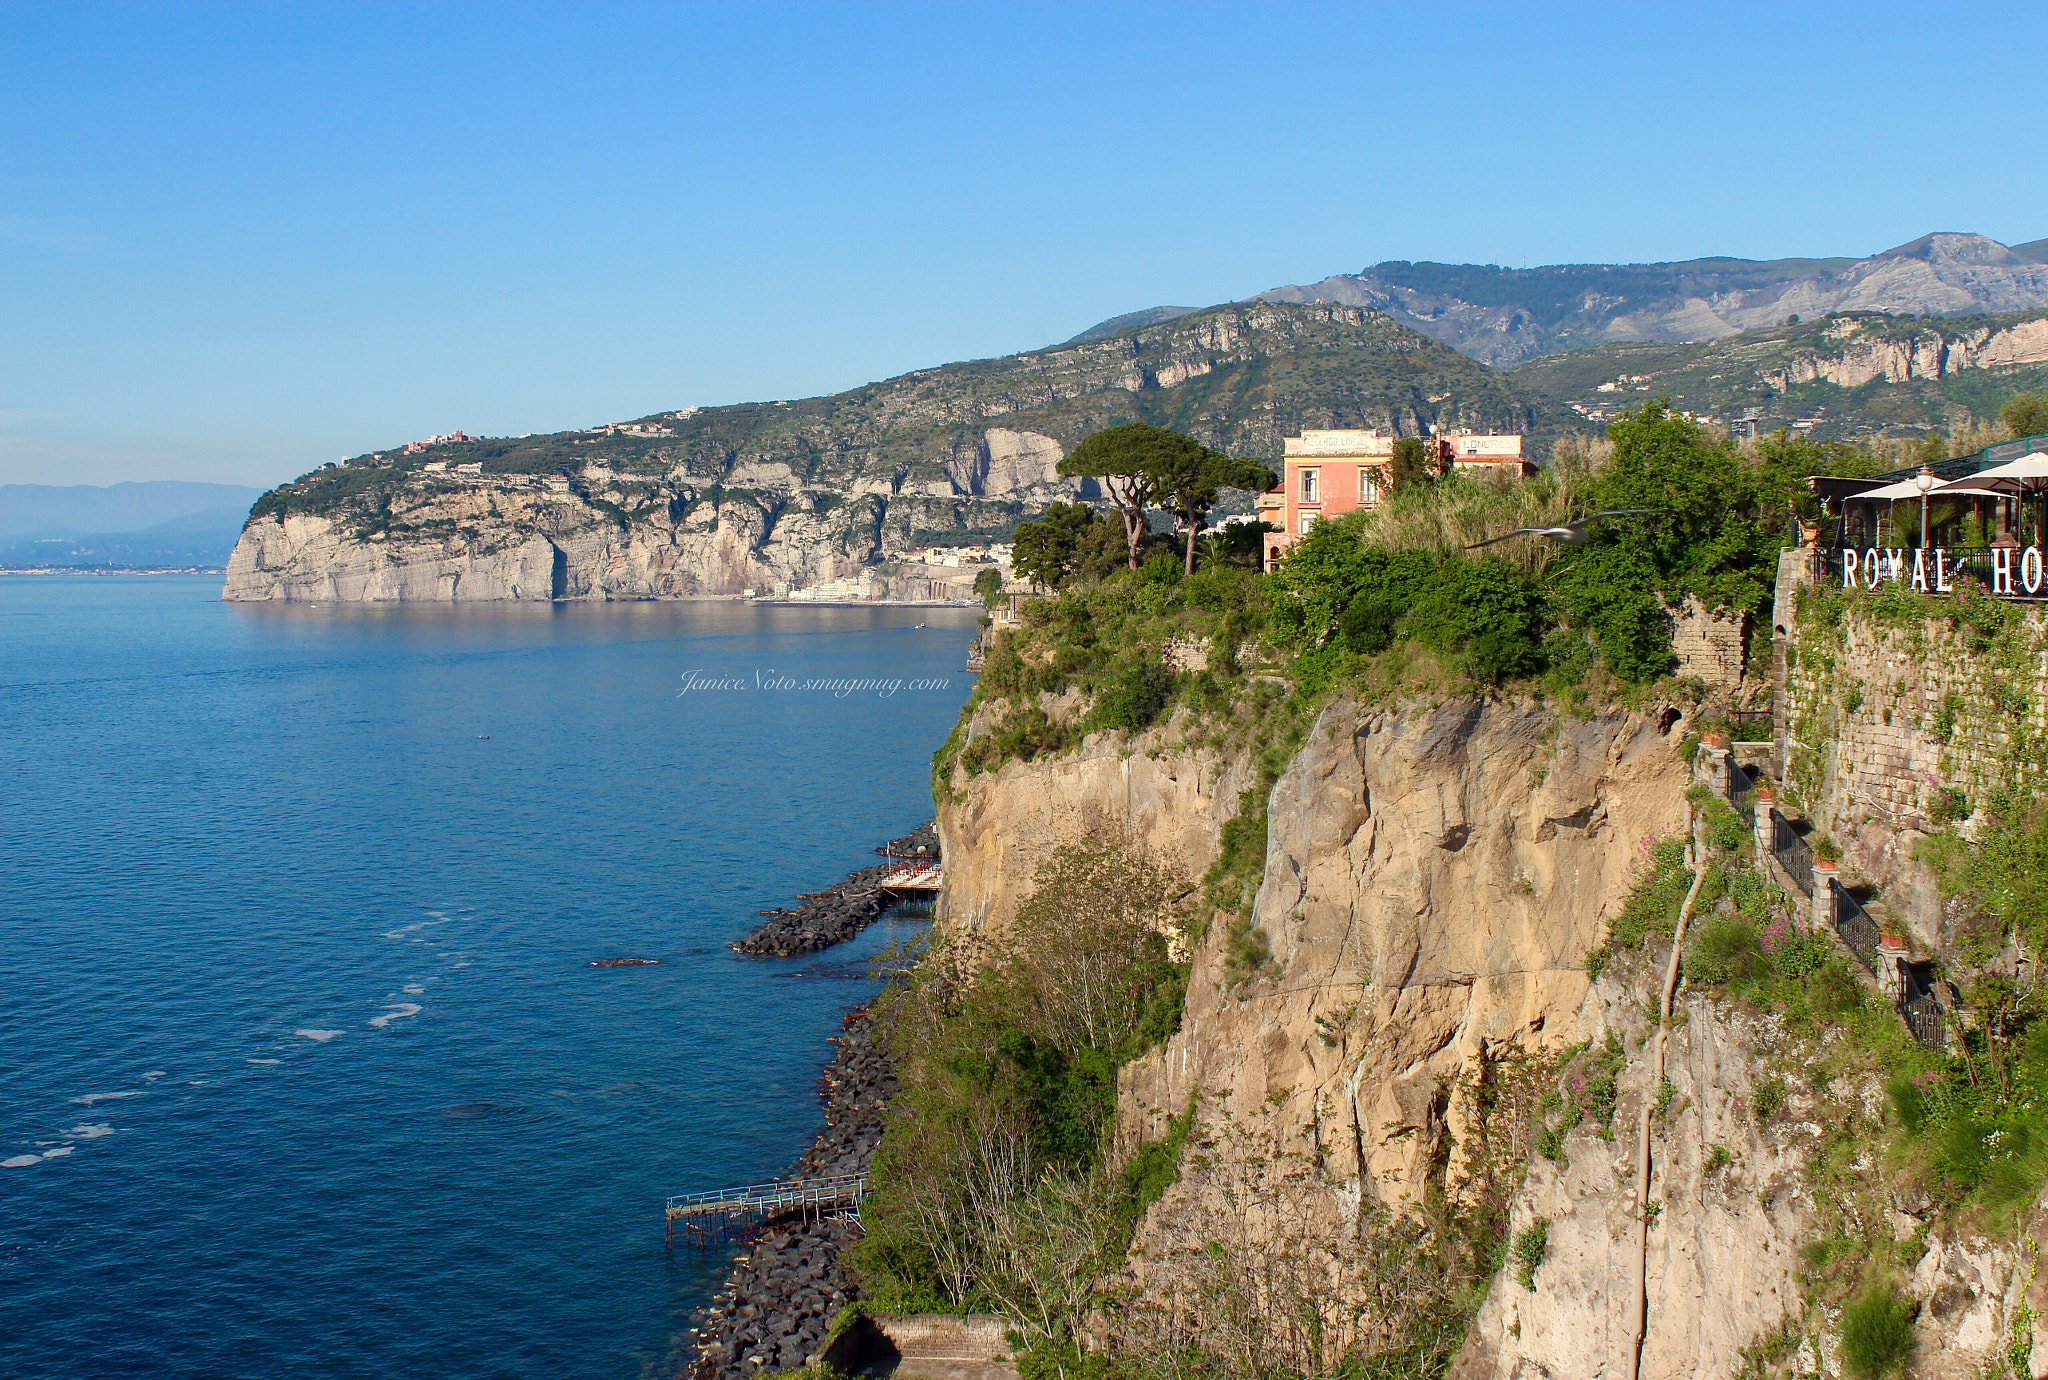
x=1571, y=534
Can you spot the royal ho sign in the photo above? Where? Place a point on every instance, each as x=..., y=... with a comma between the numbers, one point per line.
x=2013, y=571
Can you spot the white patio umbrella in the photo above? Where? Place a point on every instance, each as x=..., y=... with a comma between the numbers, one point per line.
x=1890, y=493
x=2026, y=475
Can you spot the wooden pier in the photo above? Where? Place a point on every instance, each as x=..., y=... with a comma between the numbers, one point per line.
x=718, y=1216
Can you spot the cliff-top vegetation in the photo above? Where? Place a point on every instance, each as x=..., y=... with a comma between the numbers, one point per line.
x=1394, y=597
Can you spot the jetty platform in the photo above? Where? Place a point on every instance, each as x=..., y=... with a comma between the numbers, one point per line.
x=721, y=1214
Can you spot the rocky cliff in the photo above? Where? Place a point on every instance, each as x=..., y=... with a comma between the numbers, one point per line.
x=1855, y=356
x=1436, y=875
x=1834, y=377
x=715, y=500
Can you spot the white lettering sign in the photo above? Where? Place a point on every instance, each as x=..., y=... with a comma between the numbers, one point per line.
x=2013, y=570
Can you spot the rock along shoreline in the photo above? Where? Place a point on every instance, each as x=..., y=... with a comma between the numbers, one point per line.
x=840, y=911
x=784, y=1292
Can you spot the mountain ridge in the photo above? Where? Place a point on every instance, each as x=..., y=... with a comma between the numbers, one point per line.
x=1837, y=378
x=96, y=510
x=1503, y=316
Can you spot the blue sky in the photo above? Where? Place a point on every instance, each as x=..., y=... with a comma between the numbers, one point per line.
x=238, y=241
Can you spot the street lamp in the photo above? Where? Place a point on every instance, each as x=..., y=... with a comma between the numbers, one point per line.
x=1924, y=481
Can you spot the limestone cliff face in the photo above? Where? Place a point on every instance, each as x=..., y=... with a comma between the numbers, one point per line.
x=1928, y=354
x=1722, y=1270
x=1434, y=878
x=998, y=827
x=493, y=541
x=713, y=500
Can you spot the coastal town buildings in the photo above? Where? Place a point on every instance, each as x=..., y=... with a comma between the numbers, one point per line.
x=1331, y=472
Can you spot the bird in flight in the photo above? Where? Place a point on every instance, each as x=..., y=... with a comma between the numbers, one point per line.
x=1571, y=534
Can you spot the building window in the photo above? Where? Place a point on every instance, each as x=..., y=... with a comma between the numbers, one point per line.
x=1308, y=486
x=1308, y=523
x=1368, y=484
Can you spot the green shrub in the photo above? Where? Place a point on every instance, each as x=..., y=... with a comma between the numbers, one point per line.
x=1653, y=904
x=1369, y=625
x=1024, y=732
x=1569, y=655
x=1247, y=951
x=1592, y=1084
x=1726, y=830
x=1769, y=1098
x=1945, y=717
x=1531, y=1245
x=1487, y=613
x=1724, y=950
x=1833, y=988
x=1877, y=1333
x=1134, y=698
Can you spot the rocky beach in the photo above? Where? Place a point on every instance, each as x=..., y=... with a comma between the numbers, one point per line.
x=784, y=1292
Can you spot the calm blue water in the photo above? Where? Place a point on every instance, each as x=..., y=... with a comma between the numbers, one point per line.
x=303, y=1070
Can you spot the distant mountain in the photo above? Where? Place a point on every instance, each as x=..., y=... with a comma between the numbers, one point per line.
x=1129, y=321
x=720, y=499
x=1836, y=378
x=1506, y=315
x=202, y=538
x=77, y=510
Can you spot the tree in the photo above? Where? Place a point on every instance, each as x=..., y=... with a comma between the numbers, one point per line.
x=1138, y=465
x=1190, y=478
x=1702, y=539
x=1047, y=551
x=1410, y=463
x=1087, y=954
x=989, y=585
x=1240, y=544
x=1781, y=464
x=2025, y=414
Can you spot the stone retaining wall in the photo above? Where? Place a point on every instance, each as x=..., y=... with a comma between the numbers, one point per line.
x=1709, y=645
x=1894, y=726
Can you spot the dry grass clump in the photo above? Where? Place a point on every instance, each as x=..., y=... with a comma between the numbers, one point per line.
x=1445, y=517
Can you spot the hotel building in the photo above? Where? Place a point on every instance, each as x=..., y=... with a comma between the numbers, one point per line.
x=1328, y=473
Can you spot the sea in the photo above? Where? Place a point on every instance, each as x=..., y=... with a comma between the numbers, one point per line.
x=305, y=1067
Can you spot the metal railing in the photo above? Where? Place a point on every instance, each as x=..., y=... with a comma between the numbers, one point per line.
x=719, y=1213
x=1792, y=852
x=913, y=874
x=1740, y=788
x=1857, y=929
x=1924, y=1018
x=1917, y=1004
x=1749, y=720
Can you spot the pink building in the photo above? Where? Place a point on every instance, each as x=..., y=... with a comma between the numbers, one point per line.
x=1329, y=473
